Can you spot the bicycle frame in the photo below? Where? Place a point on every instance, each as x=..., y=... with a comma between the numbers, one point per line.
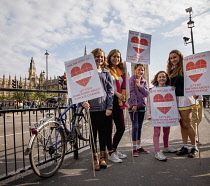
x=50, y=118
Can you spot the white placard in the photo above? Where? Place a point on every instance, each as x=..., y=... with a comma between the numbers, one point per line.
x=83, y=79
x=164, y=111
x=196, y=74
x=138, y=49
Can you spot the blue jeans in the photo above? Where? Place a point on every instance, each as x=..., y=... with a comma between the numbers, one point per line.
x=137, y=120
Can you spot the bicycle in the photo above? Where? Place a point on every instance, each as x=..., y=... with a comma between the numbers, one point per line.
x=50, y=135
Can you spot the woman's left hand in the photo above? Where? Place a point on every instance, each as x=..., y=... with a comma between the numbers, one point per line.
x=86, y=105
x=108, y=112
x=120, y=96
x=127, y=105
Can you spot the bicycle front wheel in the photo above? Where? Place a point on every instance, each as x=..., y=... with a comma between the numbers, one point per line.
x=48, y=150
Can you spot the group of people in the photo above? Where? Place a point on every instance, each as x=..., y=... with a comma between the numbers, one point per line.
x=109, y=108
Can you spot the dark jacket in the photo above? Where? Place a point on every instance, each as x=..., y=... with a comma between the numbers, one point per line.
x=178, y=83
x=105, y=102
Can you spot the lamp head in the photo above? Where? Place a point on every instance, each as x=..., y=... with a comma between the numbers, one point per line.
x=188, y=10
x=46, y=53
x=190, y=24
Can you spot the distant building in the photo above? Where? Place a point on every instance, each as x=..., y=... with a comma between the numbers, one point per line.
x=31, y=82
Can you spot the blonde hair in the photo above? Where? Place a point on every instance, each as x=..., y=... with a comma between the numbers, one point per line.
x=178, y=70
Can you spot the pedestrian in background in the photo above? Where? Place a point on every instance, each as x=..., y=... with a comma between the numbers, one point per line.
x=185, y=103
x=1, y=107
x=137, y=106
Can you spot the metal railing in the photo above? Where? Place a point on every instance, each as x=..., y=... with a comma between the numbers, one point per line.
x=15, y=135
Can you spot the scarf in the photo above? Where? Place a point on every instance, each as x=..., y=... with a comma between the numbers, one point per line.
x=121, y=89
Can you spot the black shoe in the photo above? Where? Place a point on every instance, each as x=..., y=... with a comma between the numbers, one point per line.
x=193, y=153
x=182, y=151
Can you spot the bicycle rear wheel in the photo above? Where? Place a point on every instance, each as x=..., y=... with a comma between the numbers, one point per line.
x=82, y=124
x=48, y=149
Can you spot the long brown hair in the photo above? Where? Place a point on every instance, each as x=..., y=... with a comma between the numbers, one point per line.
x=155, y=82
x=120, y=65
x=95, y=52
x=178, y=70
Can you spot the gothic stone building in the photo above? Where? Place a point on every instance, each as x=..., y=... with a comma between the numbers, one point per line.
x=32, y=82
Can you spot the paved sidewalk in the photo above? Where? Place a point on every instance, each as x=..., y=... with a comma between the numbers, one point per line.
x=142, y=170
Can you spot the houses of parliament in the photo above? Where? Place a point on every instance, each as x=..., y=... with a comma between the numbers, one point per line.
x=32, y=82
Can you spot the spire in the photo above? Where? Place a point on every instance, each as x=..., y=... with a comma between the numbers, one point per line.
x=85, y=51
x=20, y=79
x=32, y=64
x=32, y=69
x=4, y=78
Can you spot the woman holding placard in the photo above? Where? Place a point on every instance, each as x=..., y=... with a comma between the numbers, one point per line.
x=185, y=103
x=101, y=110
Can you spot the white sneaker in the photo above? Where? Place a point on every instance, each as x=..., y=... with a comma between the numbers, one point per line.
x=159, y=156
x=169, y=149
x=120, y=155
x=114, y=157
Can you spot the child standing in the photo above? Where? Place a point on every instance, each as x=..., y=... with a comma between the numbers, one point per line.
x=101, y=110
x=137, y=102
x=161, y=80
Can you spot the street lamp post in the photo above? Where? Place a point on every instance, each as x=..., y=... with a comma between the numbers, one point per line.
x=190, y=24
x=46, y=54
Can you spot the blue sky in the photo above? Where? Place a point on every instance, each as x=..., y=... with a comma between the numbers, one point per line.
x=30, y=27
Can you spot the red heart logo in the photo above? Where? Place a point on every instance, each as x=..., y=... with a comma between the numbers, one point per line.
x=163, y=104
x=82, y=75
x=139, y=45
x=196, y=68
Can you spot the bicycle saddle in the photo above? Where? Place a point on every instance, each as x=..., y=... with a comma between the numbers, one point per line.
x=53, y=99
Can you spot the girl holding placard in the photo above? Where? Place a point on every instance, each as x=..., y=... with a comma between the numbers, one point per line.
x=185, y=103
x=101, y=110
x=161, y=79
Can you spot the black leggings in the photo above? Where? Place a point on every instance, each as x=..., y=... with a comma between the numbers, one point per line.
x=100, y=124
x=118, y=117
